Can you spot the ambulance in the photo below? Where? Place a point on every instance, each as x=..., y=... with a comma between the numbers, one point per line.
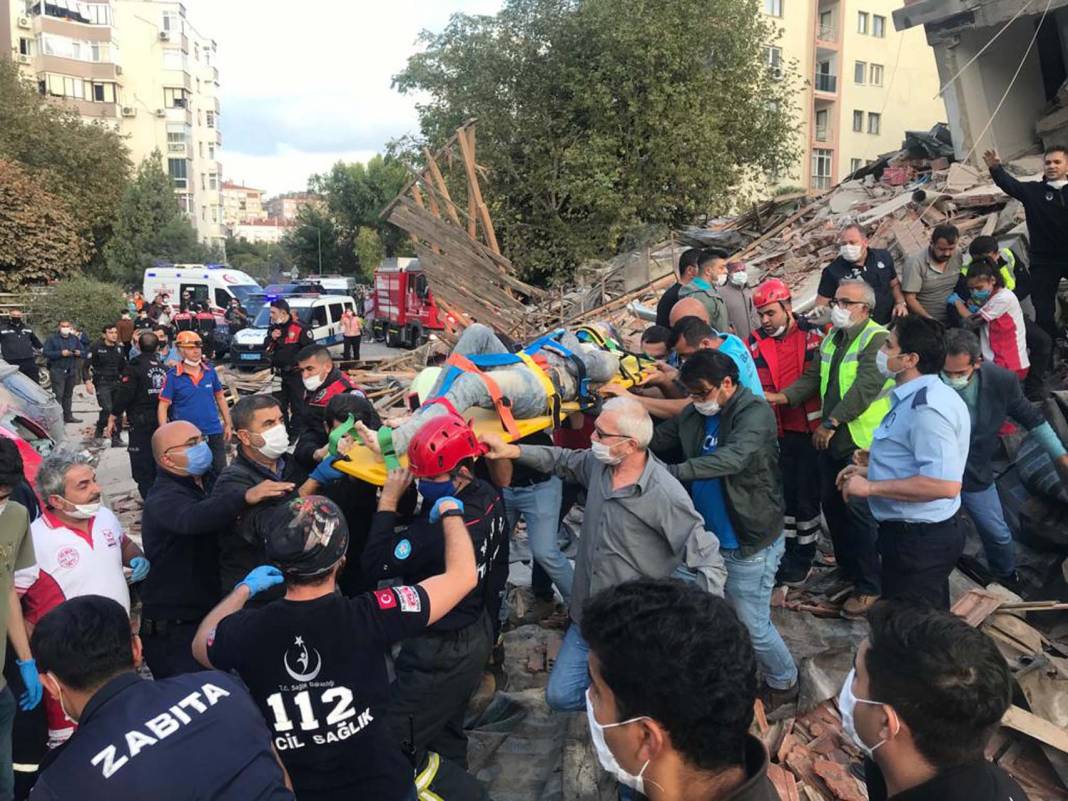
x=214, y=284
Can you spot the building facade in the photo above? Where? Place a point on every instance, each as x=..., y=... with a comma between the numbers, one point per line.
x=141, y=67
x=286, y=207
x=262, y=231
x=862, y=83
x=241, y=205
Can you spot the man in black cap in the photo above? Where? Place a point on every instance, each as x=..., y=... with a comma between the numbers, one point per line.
x=286, y=337
x=315, y=661
x=19, y=345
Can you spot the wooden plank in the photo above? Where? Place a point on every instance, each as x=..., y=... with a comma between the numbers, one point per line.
x=473, y=187
x=439, y=182
x=1021, y=720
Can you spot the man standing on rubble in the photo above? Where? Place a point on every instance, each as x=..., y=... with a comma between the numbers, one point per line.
x=859, y=261
x=687, y=272
x=915, y=469
x=711, y=276
x=1046, y=205
x=847, y=380
x=931, y=275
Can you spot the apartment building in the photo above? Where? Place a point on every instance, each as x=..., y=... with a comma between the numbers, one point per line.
x=242, y=205
x=286, y=207
x=862, y=83
x=158, y=88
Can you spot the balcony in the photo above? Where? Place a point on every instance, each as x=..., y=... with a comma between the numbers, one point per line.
x=179, y=114
x=178, y=149
x=822, y=134
x=826, y=33
x=827, y=84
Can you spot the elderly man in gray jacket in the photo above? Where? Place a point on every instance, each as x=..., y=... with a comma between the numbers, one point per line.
x=639, y=522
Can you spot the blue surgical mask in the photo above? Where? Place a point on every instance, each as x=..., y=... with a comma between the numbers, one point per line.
x=198, y=459
x=432, y=491
x=980, y=295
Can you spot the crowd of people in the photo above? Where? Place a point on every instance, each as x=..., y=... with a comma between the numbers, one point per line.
x=309, y=634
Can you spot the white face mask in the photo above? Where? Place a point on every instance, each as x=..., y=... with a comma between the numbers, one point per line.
x=313, y=382
x=83, y=511
x=720, y=280
x=850, y=253
x=1058, y=184
x=603, y=453
x=847, y=704
x=882, y=361
x=64, y=332
x=192, y=362
x=707, y=408
x=59, y=691
x=739, y=279
x=275, y=441
x=778, y=332
x=604, y=754
x=841, y=318
x=957, y=382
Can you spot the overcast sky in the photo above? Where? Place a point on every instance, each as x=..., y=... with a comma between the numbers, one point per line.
x=308, y=85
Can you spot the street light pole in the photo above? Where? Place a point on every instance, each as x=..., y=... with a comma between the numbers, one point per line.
x=319, y=235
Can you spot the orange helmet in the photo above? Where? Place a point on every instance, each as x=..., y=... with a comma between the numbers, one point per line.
x=187, y=338
x=771, y=291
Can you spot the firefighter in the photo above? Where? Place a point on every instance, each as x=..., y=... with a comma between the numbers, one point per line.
x=782, y=350
x=138, y=398
x=286, y=337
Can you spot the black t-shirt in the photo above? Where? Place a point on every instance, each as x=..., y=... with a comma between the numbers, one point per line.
x=317, y=670
x=667, y=301
x=977, y=781
x=523, y=476
x=878, y=271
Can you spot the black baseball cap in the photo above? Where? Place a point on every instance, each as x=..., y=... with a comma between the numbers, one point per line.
x=307, y=536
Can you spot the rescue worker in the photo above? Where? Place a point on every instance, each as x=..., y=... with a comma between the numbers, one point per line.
x=106, y=364
x=782, y=351
x=194, y=736
x=19, y=345
x=321, y=657
x=286, y=337
x=184, y=319
x=322, y=381
x=437, y=673
x=854, y=399
x=63, y=351
x=705, y=287
x=205, y=326
x=138, y=398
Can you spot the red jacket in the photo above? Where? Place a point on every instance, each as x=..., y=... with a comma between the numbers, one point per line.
x=779, y=363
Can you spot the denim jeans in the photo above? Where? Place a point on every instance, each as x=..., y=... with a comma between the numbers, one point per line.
x=750, y=581
x=539, y=505
x=984, y=508
x=7, y=721
x=566, y=690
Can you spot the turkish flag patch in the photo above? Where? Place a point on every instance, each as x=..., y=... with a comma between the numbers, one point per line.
x=386, y=599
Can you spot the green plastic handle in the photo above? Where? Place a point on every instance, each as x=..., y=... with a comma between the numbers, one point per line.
x=339, y=432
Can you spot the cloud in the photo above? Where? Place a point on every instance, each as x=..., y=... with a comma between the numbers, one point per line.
x=305, y=85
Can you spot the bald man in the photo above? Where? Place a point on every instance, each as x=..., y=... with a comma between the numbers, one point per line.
x=181, y=526
x=688, y=307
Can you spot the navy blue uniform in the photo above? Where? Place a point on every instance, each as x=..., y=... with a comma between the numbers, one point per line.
x=191, y=737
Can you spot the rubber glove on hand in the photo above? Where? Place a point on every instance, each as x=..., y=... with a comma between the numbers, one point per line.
x=435, y=511
x=140, y=567
x=954, y=299
x=325, y=473
x=30, y=677
x=261, y=579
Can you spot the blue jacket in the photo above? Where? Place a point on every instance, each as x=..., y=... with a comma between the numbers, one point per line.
x=54, y=347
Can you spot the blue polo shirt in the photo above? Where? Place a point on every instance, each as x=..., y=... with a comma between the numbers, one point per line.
x=708, y=497
x=194, y=401
x=926, y=433
x=198, y=735
x=747, y=373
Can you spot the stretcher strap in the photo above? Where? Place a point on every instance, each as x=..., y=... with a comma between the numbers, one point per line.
x=339, y=432
x=552, y=397
x=502, y=404
x=385, y=442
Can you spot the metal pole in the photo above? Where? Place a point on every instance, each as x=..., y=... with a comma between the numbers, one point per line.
x=319, y=235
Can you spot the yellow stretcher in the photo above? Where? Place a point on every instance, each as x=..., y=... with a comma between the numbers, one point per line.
x=363, y=463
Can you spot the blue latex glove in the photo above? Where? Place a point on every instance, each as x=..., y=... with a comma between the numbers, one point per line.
x=326, y=472
x=954, y=299
x=32, y=697
x=140, y=567
x=261, y=579
x=435, y=511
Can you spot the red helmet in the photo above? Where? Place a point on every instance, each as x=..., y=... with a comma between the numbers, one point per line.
x=771, y=291
x=440, y=445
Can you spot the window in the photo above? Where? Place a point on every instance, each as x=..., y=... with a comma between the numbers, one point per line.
x=874, y=122
x=174, y=97
x=204, y=181
x=196, y=51
x=858, y=121
x=318, y=316
x=876, y=75
x=773, y=8
x=860, y=72
x=25, y=47
x=201, y=149
x=826, y=32
x=185, y=203
x=821, y=168
x=178, y=169
x=204, y=213
x=213, y=180
x=104, y=92
x=336, y=310
x=172, y=22
x=214, y=214
x=774, y=60
x=878, y=26
x=211, y=150
x=222, y=298
x=209, y=119
x=862, y=22
x=855, y=164
x=821, y=125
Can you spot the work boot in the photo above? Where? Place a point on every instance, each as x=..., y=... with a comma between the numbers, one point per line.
x=71, y=419
x=792, y=574
x=856, y=606
x=779, y=704
x=116, y=441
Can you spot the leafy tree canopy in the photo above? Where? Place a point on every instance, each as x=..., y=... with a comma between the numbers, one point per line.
x=263, y=260
x=596, y=117
x=86, y=302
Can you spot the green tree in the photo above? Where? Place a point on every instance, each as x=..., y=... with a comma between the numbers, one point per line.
x=263, y=260
x=83, y=301
x=85, y=166
x=40, y=240
x=316, y=240
x=150, y=227
x=599, y=117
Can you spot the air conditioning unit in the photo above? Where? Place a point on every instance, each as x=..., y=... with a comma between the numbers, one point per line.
x=24, y=22
x=129, y=111
x=161, y=113
x=24, y=59
x=164, y=36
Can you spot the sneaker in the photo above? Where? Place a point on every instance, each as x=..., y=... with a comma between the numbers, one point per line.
x=116, y=442
x=779, y=703
x=856, y=606
x=793, y=574
x=72, y=419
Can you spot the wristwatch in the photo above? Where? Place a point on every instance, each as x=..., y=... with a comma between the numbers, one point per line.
x=830, y=425
x=452, y=513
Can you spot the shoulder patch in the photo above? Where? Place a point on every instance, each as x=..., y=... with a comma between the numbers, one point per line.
x=409, y=599
x=386, y=599
x=403, y=550
x=920, y=398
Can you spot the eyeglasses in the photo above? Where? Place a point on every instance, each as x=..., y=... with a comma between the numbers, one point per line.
x=188, y=444
x=605, y=435
x=846, y=303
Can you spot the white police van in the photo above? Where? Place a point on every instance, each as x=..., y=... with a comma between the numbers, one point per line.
x=320, y=313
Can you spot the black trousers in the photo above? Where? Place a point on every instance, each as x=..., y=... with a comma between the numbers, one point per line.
x=29, y=368
x=1040, y=353
x=218, y=452
x=918, y=558
x=1045, y=278
x=436, y=675
x=105, y=399
x=142, y=465
x=853, y=530
x=168, y=647
x=352, y=348
x=799, y=462
x=63, y=381
x=291, y=398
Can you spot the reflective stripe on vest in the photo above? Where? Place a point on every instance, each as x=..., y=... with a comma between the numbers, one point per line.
x=862, y=429
x=1008, y=269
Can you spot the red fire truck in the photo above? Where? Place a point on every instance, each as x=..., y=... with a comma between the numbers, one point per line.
x=403, y=311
